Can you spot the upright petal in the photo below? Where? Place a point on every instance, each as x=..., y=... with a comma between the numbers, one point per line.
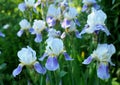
x=38, y=38
x=39, y=68
x=88, y=60
x=52, y=63
x=102, y=71
x=18, y=70
x=67, y=57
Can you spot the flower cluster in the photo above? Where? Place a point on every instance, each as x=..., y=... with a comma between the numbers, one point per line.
x=65, y=16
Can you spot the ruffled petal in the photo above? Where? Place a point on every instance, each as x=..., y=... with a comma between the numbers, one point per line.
x=102, y=71
x=39, y=68
x=67, y=57
x=19, y=33
x=38, y=38
x=52, y=64
x=88, y=60
x=18, y=70
x=43, y=57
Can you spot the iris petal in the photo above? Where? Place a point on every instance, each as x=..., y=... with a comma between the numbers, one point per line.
x=52, y=63
x=66, y=23
x=44, y=56
x=19, y=33
x=38, y=38
x=39, y=68
x=102, y=71
x=17, y=71
x=84, y=8
x=67, y=57
x=88, y=60
x=51, y=21
x=2, y=35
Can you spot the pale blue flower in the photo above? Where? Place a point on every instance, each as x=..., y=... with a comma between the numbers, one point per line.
x=27, y=57
x=24, y=25
x=103, y=55
x=53, y=49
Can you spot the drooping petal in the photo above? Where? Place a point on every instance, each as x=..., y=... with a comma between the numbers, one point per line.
x=96, y=6
x=102, y=71
x=39, y=68
x=51, y=21
x=18, y=70
x=2, y=35
x=84, y=8
x=19, y=33
x=32, y=31
x=88, y=60
x=52, y=63
x=38, y=38
x=67, y=57
x=103, y=28
x=66, y=23
x=43, y=57
x=77, y=22
x=77, y=34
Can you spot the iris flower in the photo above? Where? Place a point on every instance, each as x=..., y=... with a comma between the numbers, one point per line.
x=27, y=57
x=103, y=55
x=53, y=49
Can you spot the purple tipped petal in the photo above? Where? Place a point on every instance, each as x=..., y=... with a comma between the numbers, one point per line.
x=52, y=64
x=17, y=71
x=39, y=68
x=43, y=57
x=77, y=22
x=102, y=71
x=51, y=21
x=77, y=34
x=67, y=57
x=88, y=60
x=66, y=23
x=84, y=8
x=103, y=28
x=38, y=38
x=22, y=7
x=2, y=35
x=19, y=33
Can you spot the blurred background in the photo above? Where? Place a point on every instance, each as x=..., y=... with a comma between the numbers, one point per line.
x=71, y=73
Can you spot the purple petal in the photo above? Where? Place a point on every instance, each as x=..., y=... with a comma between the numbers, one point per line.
x=77, y=22
x=19, y=33
x=39, y=68
x=84, y=8
x=22, y=7
x=66, y=23
x=38, y=38
x=67, y=57
x=102, y=71
x=103, y=28
x=77, y=34
x=52, y=63
x=18, y=70
x=88, y=60
x=51, y=21
x=2, y=35
x=31, y=30
x=43, y=57
x=96, y=6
